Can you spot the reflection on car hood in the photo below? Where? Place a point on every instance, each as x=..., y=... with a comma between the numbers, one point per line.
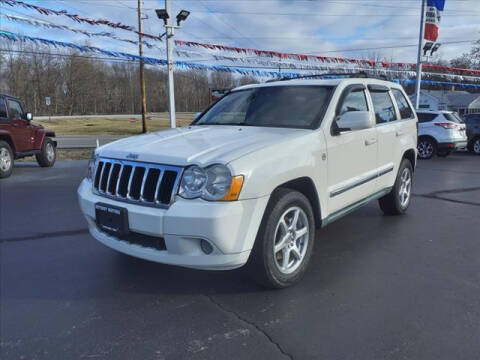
x=201, y=145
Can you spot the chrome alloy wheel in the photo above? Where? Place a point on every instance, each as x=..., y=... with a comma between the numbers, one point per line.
x=50, y=152
x=425, y=149
x=5, y=160
x=405, y=187
x=291, y=240
x=476, y=147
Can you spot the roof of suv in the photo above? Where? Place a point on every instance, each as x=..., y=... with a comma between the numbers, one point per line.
x=323, y=82
x=9, y=96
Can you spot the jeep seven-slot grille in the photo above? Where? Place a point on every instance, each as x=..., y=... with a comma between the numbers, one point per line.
x=142, y=183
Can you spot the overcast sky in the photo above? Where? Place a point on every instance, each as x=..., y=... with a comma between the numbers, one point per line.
x=324, y=27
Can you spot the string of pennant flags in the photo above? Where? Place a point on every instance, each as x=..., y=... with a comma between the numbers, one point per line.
x=222, y=53
x=48, y=25
x=304, y=71
x=46, y=11
x=325, y=59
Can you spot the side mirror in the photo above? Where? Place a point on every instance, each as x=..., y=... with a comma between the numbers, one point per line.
x=196, y=116
x=355, y=120
x=29, y=116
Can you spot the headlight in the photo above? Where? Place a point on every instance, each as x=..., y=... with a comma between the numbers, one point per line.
x=213, y=183
x=91, y=166
x=193, y=182
x=218, y=183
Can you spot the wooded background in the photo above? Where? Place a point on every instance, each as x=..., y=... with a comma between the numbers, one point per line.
x=83, y=85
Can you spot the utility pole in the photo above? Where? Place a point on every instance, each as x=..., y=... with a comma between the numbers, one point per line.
x=171, y=90
x=419, y=57
x=142, y=66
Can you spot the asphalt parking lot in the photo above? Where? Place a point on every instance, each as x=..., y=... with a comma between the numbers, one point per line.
x=377, y=287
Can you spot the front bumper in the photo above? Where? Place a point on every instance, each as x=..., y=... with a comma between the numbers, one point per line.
x=230, y=227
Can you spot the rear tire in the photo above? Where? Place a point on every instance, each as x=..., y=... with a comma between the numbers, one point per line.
x=48, y=154
x=398, y=200
x=284, y=242
x=6, y=160
x=476, y=146
x=427, y=148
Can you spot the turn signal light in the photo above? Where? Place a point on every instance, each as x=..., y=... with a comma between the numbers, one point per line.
x=235, y=188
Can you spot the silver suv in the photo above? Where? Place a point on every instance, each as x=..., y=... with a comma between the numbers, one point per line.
x=440, y=133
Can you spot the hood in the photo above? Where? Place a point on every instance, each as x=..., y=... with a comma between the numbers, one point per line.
x=202, y=145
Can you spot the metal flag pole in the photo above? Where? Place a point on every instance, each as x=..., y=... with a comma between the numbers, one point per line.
x=419, y=57
x=171, y=90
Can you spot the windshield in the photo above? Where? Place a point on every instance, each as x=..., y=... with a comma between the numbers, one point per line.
x=275, y=106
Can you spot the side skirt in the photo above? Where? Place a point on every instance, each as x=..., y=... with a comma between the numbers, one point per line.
x=345, y=211
x=23, y=154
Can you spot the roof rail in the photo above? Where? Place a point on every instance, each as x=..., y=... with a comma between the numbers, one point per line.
x=360, y=74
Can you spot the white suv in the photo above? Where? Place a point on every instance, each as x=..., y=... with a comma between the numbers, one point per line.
x=254, y=175
x=440, y=133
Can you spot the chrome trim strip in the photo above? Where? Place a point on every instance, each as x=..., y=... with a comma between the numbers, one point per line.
x=360, y=182
x=134, y=164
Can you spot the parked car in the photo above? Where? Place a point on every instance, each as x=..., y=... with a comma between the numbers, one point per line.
x=255, y=175
x=472, y=121
x=440, y=133
x=19, y=137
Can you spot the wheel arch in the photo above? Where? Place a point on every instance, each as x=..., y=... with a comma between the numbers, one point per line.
x=410, y=155
x=9, y=141
x=306, y=186
x=430, y=137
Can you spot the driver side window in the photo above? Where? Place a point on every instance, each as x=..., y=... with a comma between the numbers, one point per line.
x=354, y=101
x=14, y=109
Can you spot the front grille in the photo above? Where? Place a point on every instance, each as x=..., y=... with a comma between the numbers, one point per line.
x=136, y=182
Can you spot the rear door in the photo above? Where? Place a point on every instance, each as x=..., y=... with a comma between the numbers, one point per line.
x=20, y=129
x=388, y=131
x=352, y=155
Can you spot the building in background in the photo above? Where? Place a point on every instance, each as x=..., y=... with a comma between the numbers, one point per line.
x=460, y=101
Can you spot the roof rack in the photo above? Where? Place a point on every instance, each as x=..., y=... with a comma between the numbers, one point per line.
x=361, y=74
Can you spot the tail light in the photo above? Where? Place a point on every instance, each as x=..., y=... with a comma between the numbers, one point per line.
x=447, y=125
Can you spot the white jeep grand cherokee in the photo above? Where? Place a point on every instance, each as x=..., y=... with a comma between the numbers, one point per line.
x=254, y=175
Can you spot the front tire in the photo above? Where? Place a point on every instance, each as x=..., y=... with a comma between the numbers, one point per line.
x=6, y=160
x=284, y=242
x=48, y=154
x=398, y=200
x=426, y=148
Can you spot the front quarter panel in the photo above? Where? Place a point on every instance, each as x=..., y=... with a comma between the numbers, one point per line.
x=270, y=167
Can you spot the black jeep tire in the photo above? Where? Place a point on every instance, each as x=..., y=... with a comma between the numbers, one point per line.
x=285, y=266
x=48, y=154
x=426, y=148
x=6, y=160
x=395, y=202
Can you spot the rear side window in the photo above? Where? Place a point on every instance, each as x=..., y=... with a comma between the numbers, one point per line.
x=383, y=106
x=453, y=118
x=425, y=117
x=3, y=111
x=354, y=101
x=406, y=111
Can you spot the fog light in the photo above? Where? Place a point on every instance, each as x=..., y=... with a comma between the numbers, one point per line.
x=207, y=248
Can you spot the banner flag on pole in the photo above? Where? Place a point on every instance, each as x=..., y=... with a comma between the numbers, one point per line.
x=432, y=19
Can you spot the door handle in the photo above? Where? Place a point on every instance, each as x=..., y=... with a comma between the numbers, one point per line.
x=370, y=142
x=399, y=133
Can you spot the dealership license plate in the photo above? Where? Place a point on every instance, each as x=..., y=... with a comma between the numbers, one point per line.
x=111, y=219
